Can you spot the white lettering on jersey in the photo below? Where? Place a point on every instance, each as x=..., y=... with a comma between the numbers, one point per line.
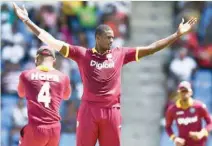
x=44, y=76
x=102, y=65
x=187, y=120
x=180, y=113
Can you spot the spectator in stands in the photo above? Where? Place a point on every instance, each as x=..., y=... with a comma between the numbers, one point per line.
x=69, y=9
x=182, y=66
x=87, y=15
x=199, y=41
x=205, y=22
x=187, y=9
x=7, y=20
x=19, y=118
x=30, y=62
x=10, y=77
x=204, y=56
x=19, y=115
x=49, y=19
x=201, y=52
x=66, y=34
x=112, y=18
x=83, y=40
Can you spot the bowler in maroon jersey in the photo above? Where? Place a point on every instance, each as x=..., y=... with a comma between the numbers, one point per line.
x=44, y=88
x=188, y=114
x=99, y=116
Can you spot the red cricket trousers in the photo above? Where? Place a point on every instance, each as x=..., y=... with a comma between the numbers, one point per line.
x=40, y=135
x=95, y=123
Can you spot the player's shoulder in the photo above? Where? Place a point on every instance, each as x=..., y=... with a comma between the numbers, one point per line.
x=83, y=48
x=56, y=71
x=125, y=49
x=25, y=72
x=61, y=74
x=25, y=75
x=199, y=104
x=118, y=49
x=171, y=107
x=79, y=47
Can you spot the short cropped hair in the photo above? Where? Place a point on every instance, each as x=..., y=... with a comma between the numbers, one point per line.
x=101, y=29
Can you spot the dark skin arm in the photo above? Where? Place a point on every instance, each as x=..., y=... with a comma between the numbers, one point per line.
x=183, y=29
x=143, y=51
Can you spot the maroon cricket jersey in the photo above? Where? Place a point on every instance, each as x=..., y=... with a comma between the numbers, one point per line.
x=101, y=74
x=44, y=92
x=188, y=120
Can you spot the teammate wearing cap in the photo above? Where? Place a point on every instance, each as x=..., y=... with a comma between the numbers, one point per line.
x=44, y=88
x=188, y=114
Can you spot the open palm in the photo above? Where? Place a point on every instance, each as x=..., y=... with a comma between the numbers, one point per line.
x=21, y=13
x=186, y=27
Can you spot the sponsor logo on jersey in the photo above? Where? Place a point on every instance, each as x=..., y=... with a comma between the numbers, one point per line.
x=44, y=76
x=180, y=113
x=102, y=65
x=192, y=110
x=109, y=56
x=187, y=120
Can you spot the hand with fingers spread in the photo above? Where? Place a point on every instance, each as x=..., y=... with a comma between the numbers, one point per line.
x=186, y=27
x=21, y=13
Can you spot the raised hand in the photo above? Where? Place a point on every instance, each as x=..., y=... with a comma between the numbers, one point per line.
x=186, y=27
x=21, y=13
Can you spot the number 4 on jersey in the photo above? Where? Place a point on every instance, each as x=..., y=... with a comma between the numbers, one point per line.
x=44, y=95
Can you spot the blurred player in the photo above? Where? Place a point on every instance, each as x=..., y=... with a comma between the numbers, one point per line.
x=99, y=116
x=44, y=88
x=188, y=114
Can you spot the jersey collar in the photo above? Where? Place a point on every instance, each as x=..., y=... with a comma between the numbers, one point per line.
x=44, y=68
x=95, y=51
x=190, y=103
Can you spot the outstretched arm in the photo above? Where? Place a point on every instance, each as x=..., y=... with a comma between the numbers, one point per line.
x=44, y=36
x=161, y=44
